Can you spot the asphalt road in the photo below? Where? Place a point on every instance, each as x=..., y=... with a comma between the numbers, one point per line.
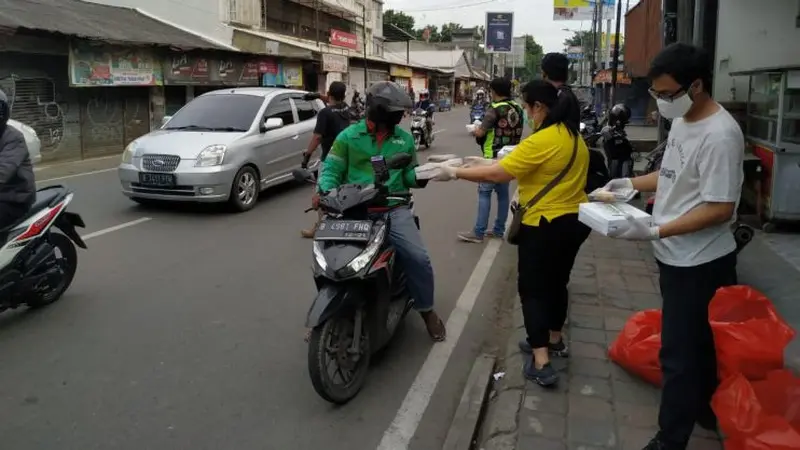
x=185, y=331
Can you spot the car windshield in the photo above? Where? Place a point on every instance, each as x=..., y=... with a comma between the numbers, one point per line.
x=225, y=112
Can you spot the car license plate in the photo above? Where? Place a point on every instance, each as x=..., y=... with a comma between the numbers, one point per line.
x=157, y=179
x=343, y=230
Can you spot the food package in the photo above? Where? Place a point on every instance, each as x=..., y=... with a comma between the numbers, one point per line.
x=441, y=158
x=608, y=217
x=617, y=196
x=471, y=128
x=504, y=151
x=430, y=170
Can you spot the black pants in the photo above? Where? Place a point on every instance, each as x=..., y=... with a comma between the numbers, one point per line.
x=11, y=213
x=688, y=358
x=546, y=256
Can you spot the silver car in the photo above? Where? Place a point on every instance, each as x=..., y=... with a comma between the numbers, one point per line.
x=223, y=146
x=31, y=140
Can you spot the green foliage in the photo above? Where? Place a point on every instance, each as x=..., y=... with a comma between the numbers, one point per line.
x=400, y=20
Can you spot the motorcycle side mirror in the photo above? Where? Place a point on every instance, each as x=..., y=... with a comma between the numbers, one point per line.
x=399, y=161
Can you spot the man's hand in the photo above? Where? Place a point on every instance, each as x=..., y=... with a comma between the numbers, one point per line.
x=618, y=185
x=446, y=172
x=634, y=230
x=306, y=159
x=315, y=200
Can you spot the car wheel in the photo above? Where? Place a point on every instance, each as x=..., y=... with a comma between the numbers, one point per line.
x=245, y=189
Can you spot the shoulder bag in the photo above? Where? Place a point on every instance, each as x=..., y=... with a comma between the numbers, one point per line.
x=518, y=211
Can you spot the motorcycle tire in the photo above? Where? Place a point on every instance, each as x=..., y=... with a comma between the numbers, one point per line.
x=742, y=234
x=69, y=265
x=417, y=139
x=318, y=352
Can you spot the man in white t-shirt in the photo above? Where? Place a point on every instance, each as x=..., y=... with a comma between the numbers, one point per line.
x=697, y=192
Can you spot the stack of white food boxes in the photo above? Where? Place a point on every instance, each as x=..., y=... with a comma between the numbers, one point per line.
x=606, y=212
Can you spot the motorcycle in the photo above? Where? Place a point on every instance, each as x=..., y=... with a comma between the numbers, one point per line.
x=37, y=265
x=419, y=128
x=476, y=113
x=362, y=295
x=618, y=150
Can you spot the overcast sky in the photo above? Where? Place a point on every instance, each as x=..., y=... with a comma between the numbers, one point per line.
x=534, y=17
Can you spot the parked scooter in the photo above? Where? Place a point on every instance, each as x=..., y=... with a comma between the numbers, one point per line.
x=420, y=128
x=362, y=293
x=617, y=147
x=37, y=265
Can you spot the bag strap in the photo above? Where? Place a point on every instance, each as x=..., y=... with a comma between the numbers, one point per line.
x=549, y=187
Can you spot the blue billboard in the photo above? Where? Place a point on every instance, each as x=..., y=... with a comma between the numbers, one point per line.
x=499, y=32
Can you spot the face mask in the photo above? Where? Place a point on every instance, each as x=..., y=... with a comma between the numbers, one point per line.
x=676, y=108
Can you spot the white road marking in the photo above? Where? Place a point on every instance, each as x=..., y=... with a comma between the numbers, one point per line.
x=76, y=175
x=402, y=429
x=438, y=131
x=121, y=226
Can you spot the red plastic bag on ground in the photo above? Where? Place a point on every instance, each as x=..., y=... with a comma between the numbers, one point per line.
x=759, y=415
x=749, y=335
x=637, y=345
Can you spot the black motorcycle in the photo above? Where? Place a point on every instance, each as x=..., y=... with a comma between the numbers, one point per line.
x=420, y=128
x=362, y=295
x=618, y=150
x=37, y=265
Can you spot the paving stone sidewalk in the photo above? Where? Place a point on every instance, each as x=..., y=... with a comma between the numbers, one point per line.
x=597, y=405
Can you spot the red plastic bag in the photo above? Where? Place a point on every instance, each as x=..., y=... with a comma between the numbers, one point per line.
x=749, y=335
x=759, y=415
x=637, y=345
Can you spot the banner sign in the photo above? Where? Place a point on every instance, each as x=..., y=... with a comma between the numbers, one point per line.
x=185, y=69
x=334, y=63
x=344, y=39
x=91, y=65
x=499, y=32
x=580, y=9
x=400, y=71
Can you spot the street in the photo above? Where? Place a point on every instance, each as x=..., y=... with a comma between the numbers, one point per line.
x=184, y=330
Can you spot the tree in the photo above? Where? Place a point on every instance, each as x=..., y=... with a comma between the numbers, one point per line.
x=533, y=59
x=447, y=31
x=434, y=35
x=400, y=20
x=581, y=38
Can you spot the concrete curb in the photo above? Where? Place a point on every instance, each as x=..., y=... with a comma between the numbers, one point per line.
x=466, y=422
x=501, y=427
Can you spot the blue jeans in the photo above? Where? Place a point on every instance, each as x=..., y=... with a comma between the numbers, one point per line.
x=413, y=256
x=485, y=208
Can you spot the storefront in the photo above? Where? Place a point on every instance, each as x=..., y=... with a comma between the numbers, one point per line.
x=419, y=81
x=286, y=73
x=401, y=75
x=335, y=69
x=376, y=72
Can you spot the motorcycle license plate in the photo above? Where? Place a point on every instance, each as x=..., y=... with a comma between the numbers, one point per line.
x=344, y=230
x=157, y=179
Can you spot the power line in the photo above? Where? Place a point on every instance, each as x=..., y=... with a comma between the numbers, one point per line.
x=449, y=7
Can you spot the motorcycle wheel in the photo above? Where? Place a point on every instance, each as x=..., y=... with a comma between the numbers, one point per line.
x=67, y=260
x=428, y=141
x=329, y=343
x=416, y=142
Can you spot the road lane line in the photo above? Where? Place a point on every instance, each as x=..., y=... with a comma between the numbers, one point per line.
x=402, y=429
x=121, y=226
x=76, y=175
x=438, y=131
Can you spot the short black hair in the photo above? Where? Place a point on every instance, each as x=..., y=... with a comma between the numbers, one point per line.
x=337, y=90
x=501, y=86
x=685, y=63
x=556, y=67
x=560, y=111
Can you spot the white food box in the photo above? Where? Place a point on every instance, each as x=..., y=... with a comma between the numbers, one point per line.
x=607, y=217
x=620, y=195
x=504, y=151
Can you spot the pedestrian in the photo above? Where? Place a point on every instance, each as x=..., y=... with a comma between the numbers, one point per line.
x=502, y=125
x=17, y=182
x=331, y=120
x=697, y=192
x=555, y=69
x=550, y=168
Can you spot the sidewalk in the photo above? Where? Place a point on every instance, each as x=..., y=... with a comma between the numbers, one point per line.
x=597, y=405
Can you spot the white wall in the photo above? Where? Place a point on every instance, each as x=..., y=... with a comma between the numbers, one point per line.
x=202, y=17
x=752, y=35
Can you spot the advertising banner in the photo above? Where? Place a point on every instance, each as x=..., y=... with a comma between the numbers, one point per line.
x=344, y=39
x=400, y=71
x=106, y=66
x=518, y=52
x=293, y=74
x=334, y=63
x=580, y=9
x=499, y=32
x=183, y=69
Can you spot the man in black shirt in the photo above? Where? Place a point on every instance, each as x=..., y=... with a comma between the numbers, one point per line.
x=555, y=69
x=17, y=183
x=334, y=118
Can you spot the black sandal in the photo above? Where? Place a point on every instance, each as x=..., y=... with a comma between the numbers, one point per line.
x=437, y=330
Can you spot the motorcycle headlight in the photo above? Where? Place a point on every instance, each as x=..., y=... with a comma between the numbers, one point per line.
x=361, y=261
x=211, y=156
x=130, y=151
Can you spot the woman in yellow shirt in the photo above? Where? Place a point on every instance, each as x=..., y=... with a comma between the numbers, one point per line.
x=550, y=235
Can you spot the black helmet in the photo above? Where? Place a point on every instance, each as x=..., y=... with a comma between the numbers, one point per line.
x=5, y=110
x=620, y=114
x=389, y=96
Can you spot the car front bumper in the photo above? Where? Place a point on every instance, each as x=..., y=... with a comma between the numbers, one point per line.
x=192, y=184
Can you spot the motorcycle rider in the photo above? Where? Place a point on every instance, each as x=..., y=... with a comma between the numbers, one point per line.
x=479, y=102
x=502, y=125
x=331, y=120
x=349, y=162
x=426, y=104
x=17, y=183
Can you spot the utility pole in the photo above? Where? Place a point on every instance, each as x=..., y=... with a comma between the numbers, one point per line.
x=364, y=39
x=615, y=59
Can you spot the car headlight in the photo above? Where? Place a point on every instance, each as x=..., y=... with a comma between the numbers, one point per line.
x=211, y=156
x=360, y=262
x=130, y=150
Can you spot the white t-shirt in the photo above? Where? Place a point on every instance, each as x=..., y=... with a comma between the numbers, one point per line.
x=702, y=163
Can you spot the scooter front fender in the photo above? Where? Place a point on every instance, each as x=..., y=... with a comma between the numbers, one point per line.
x=330, y=300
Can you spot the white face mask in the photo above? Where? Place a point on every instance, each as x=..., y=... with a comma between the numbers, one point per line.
x=676, y=108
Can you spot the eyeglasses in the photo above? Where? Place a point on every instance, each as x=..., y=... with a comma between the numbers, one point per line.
x=668, y=96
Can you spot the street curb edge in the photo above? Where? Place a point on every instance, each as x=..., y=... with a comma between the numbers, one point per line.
x=464, y=429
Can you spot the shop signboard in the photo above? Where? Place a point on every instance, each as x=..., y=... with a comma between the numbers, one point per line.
x=344, y=39
x=292, y=74
x=109, y=66
x=580, y=9
x=334, y=63
x=185, y=69
x=499, y=32
x=604, y=77
x=400, y=71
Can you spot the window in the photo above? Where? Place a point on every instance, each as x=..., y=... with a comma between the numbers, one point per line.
x=305, y=111
x=762, y=114
x=281, y=108
x=223, y=112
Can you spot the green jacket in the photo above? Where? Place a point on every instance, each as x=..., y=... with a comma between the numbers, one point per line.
x=349, y=159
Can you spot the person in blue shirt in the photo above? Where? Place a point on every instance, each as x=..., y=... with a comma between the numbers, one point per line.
x=425, y=103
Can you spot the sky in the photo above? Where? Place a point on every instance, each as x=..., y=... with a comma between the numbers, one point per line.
x=534, y=17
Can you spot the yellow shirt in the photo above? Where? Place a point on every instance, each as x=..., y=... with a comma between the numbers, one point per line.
x=538, y=159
